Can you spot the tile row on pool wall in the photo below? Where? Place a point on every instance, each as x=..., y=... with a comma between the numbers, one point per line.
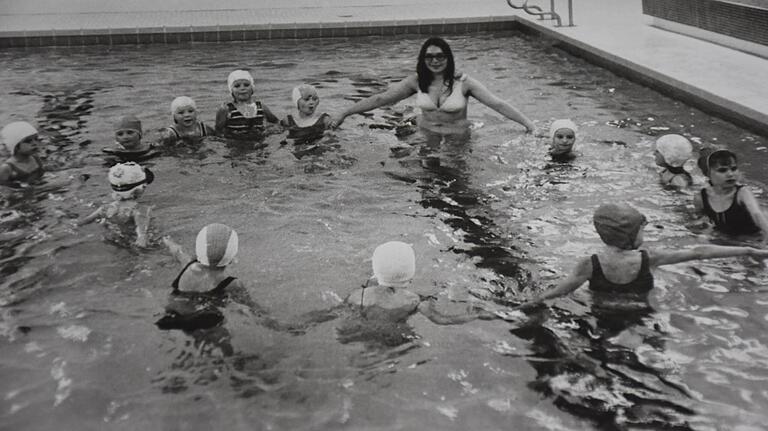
x=741, y=21
x=174, y=35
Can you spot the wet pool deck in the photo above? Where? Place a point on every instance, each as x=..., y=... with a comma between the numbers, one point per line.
x=612, y=33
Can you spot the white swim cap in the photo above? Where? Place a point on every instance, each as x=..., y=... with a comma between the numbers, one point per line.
x=16, y=132
x=562, y=124
x=125, y=176
x=675, y=149
x=394, y=263
x=216, y=245
x=237, y=75
x=181, y=102
x=301, y=91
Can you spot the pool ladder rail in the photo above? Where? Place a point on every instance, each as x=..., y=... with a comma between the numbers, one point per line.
x=551, y=14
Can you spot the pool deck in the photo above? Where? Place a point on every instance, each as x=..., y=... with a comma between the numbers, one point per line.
x=613, y=33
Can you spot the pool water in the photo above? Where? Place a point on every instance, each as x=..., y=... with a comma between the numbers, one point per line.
x=485, y=212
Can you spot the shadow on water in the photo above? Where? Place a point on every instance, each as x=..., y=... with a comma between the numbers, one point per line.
x=605, y=367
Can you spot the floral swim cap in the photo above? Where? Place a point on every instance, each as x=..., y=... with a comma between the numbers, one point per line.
x=16, y=132
x=216, y=245
x=618, y=224
x=394, y=264
x=125, y=176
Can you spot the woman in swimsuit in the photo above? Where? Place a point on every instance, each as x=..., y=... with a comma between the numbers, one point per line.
x=441, y=94
x=728, y=204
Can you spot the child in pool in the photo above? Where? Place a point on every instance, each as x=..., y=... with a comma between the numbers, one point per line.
x=24, y=167
x=124, y=216
x=204, y=284
x=306, y=124
x=727, y=203
x=128, y=145
x=186, y=127
x=243, y=117
x=563, y=136
x=620, y=274
x=674, y=155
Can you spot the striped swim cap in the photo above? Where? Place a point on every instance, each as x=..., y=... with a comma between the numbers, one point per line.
x=216, y=245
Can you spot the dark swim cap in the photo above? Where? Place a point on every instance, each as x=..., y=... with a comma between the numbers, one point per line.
x=618, y=224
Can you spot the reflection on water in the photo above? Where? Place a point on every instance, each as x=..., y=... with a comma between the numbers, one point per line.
x=486, y=212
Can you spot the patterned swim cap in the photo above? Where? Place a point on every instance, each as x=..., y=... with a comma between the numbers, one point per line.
x=125, y=176
x=216, y=245
x=618, y=224
x=394, y=264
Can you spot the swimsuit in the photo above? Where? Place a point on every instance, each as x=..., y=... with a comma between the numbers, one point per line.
x=238, y=126
x=607, y=294
x=736, y=220
x=122, y=155
x=302, y=135
x=201, y=133
x=455, y=102
x=194, y=310
x=19, y=175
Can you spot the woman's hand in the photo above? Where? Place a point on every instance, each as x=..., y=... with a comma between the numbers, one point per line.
x=336, y=120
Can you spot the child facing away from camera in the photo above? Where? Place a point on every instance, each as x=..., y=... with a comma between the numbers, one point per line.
x=128, y=145
x=305, y=124
x=674, y=156
x=185, y=127
x=619, y=274
x=204, y=283
x=125, y=217
x=562, y=134
x=24, y=167
x=728, y=204
x=244, y=117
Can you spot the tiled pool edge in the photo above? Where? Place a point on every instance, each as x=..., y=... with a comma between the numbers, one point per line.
x=729, y=110
x=229, y=33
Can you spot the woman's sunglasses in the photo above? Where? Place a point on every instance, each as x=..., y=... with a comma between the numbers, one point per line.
x=439, y=56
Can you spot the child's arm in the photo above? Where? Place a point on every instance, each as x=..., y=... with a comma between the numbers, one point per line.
x=701, y=252
x=698, y=203
x=221, y=120
x=91, y=217
x=272, y=118
x=428, y=309
x=176, y=251
x=142, y=226
x=758, y=216
x=165, y=136
x=5, y=173
x=578, y=276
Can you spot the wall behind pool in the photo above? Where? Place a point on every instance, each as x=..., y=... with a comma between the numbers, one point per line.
x=738, y=24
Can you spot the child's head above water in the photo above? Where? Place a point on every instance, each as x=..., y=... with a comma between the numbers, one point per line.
x=710, y=159
x=394, y=264
x=619, y=225
x=216, y=245
x=563, y=136
x=240, y=84
x=128, y=131
x=674, y=150
x=305, y=99
x=128, y=180
x=16, y=133
x=184, y=111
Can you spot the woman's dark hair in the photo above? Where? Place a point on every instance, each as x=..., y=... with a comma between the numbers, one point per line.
x=715, y=157
x=424, y=74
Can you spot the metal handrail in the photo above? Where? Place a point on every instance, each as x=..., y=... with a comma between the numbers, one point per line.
x=551, y=14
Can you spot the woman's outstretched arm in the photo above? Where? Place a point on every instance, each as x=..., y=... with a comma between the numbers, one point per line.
x=484, y=96
x=393, y=94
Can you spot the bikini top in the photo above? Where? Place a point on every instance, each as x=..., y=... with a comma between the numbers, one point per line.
x=736, y=220
x=455, y=102
x=639, y=287
x=215, y=291
x=22, y=176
